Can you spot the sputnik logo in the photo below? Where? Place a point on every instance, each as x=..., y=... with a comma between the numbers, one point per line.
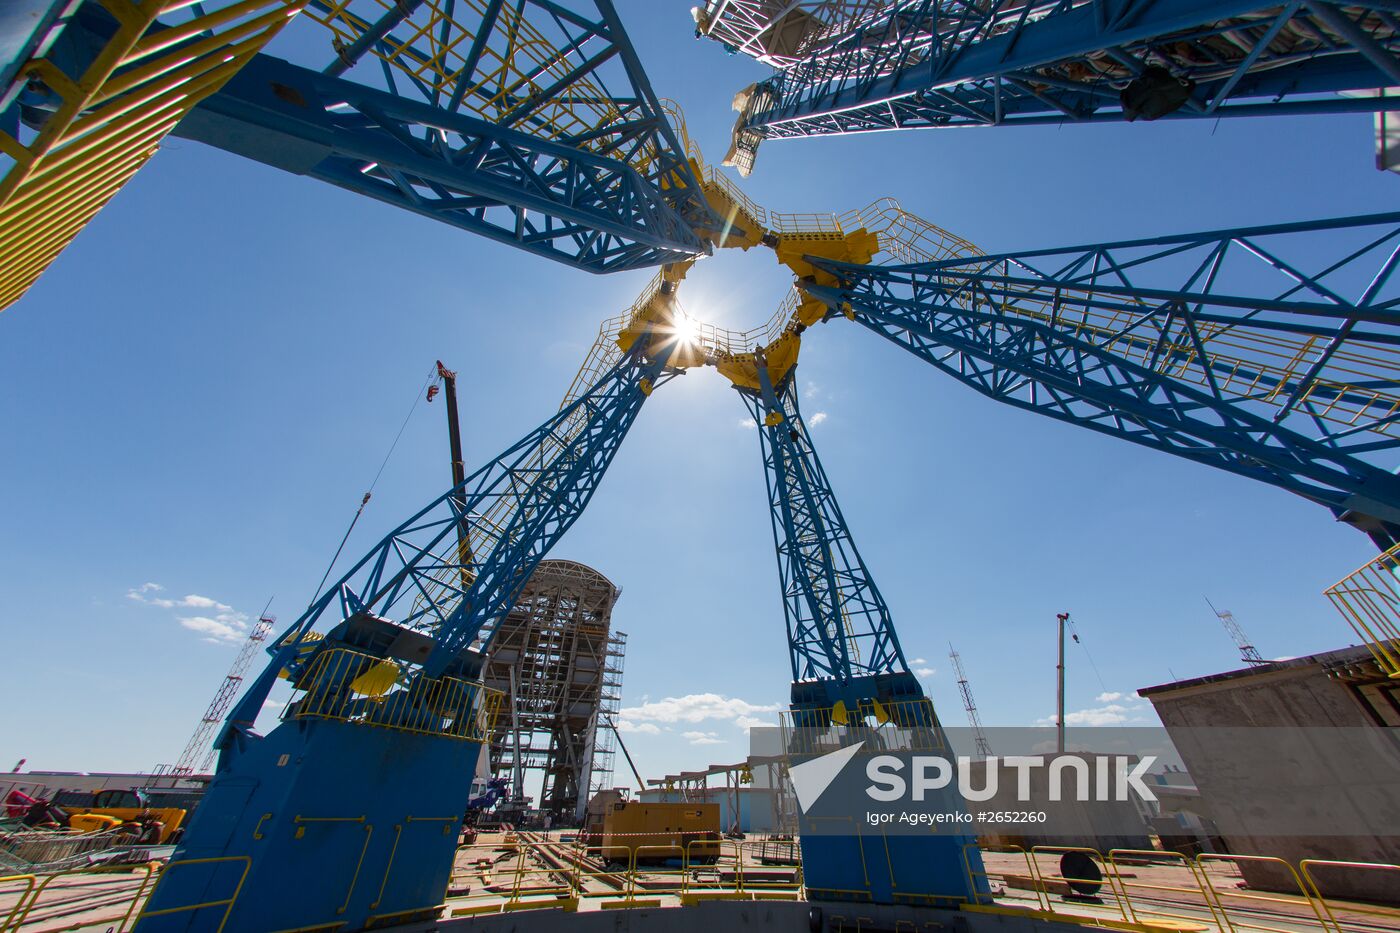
x=811, y=778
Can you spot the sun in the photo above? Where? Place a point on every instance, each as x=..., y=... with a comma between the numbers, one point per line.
x=687, y=330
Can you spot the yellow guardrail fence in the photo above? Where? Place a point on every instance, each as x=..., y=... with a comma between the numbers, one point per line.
x=1125, y=889
x=1369, y=599
x=351, y=686
x=96, y=896
x=1138, y=889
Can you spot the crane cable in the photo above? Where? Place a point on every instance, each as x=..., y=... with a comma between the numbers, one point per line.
x=1074, y=633
x=419, y=396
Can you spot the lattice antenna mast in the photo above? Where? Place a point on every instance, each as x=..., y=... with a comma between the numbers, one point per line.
x=983, y=746
x=201, y=747
x=1248, y=653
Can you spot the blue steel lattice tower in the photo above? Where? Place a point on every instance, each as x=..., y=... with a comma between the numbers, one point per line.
x=849, y=675
x=341, y=815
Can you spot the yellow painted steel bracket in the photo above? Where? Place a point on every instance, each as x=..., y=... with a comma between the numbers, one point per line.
x=110, y=119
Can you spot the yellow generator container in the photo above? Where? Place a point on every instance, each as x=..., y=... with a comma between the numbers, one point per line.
x=659, y=832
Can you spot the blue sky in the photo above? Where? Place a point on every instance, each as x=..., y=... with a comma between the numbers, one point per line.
x=201, y=388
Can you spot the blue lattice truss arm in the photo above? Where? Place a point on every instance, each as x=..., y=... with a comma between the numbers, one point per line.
x=947, y=63
x=841, y=640
x=529, y=122
x=1236, y=348
x=453, y=571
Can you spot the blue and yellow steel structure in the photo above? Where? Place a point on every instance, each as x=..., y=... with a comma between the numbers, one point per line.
x=531, y=123
x=848, y=669
x=88, y=90
x=918, y=64
x=1238, y=348
x=347, y=813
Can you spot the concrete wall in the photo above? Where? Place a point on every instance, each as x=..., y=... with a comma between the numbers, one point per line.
x=1245, y=786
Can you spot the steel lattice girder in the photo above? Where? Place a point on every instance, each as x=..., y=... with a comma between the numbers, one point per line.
x=512, y=511
x=934, y=63
x=565, y=74
x=552, y=199
x=1186, y=344
x=838, y=624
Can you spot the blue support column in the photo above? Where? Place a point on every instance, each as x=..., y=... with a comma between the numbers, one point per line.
x=848, y=671
x=1237, y=348
x=347, y=813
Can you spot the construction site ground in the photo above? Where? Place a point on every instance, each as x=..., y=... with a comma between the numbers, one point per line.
x=508, y=872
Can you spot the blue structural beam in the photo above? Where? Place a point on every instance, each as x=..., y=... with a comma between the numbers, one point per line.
x=948, y=63
x=851, y=682
x=531, y=123
x=555, y=200
x=1236, y=348
x=454, y=570
x=388, y=713
x=838, y=625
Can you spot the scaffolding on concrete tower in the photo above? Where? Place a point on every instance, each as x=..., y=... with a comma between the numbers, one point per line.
x=559, y=663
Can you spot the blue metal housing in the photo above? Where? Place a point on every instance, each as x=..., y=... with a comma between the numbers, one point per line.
x=1235, y=348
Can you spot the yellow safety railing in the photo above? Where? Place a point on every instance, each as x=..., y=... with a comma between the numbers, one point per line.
x=662, y=880
x=558, y=890
x=7, y=921
x=902, y=724
x=1182, y=895
x=1355, y=914
x=340, y=684
x=1254, y=909
x=110, y=119
x=715, y=871
x=529, y=871
x=1058, y=852
x=1028, y=882
x=99, y=898
x=1369, y=599
x=226, y=903
x=518, y=61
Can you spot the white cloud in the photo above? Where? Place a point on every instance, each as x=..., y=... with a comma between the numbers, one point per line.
x=925, y=671
x=812, y=390
x=703, y=738
x=747, y=423
x=818, y=418
x=748, y=722
x=219, y=623
x=215, y=630
x=195, y=601
x=192, y=601
x=693, y=708
x=645, y=728
x=919, y=662
x=1108, y=697
x=1110, y=714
